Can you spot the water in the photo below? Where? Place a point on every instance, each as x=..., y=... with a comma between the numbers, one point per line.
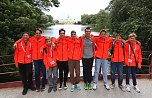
x=53, y=31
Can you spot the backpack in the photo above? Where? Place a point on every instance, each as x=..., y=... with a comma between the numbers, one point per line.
x=113, y=44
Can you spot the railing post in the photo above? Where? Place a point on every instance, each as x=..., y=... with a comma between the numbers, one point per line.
x=150, y=65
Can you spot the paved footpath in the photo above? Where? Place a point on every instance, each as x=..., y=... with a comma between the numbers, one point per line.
x=145, y=86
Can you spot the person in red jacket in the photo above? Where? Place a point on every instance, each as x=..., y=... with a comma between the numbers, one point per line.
x=62, y=58
x=50, y=64
x=117, y=59
x=102, y=45
x=23, y=61
x=74, y=55
x=133, y=59
x=37, y=42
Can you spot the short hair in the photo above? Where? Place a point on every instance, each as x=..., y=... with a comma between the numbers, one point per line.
x=132, y=35
x=73, y=31
x=25, y=33
x=118, y=34
x=47, y=38
x=103, y=31
x=61, y=30
x=39, y=29
x=87, y=28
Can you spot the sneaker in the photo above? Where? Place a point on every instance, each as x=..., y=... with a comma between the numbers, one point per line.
x=136, y=89
x=89, y=86
x=122, y=88
x=32, y=88
x=55, y=88
x=107, y=87
x=112, y=86
x=85, y=86
x=78, y=86
x=65, y=87
x=94, y=86
x=128, y=88
x=50, y=89
x=72, y=88
x=60, y=87
x=24, y=91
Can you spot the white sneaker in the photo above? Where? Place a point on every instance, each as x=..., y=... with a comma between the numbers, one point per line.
x=127, y=88
x=136, y=89
x=112, y=86
x=94, y=86
x=107, y=87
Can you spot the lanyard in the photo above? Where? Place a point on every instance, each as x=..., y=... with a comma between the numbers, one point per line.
x=51, y=51
x=23, y=47
x=130, y=48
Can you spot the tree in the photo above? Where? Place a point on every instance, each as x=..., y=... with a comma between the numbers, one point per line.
x=43, y=4
x=133, y=16
x=98, y=21
x=18, y=16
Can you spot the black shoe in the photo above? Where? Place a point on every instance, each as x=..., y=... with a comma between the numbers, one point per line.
x=37, y=90
x=24, y=91
x=49, y=90
x=42, y=89
x=55, y=89
x=122, y=88
x=32, y=88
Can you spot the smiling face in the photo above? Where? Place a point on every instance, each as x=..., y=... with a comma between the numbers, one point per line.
x=48, y=41
x=118, y=37
x=87, y=33
x=25, y=36
x=102, y=34
x=132, y=39
x=38, y=33
x=62, y=34
x=73, y=34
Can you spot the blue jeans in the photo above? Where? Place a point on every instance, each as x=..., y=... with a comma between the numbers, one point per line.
x=39, y=65
x=132, y=70
x=98, y=63
x=119, y=67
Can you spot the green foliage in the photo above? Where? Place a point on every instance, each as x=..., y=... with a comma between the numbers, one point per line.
x=132, y=16
x=98, y=21
x=43, y=4
x=18, y=16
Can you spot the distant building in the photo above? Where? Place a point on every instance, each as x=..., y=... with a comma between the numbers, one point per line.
x=66, y=21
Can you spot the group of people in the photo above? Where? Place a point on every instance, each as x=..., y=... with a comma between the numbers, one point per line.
x=48, y=54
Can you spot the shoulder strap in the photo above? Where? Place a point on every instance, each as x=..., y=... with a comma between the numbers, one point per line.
x=113, y=44
x=45, y=50
x=122, y=43
x=134, y=54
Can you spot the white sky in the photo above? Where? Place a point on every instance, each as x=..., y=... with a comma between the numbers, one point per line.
x=75, y=8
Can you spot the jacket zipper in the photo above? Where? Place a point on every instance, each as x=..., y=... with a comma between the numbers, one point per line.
x=62, y=48
x=73, y=51
x=37, y=48
x=103, y=49
x=118, y=52
x=25, y=54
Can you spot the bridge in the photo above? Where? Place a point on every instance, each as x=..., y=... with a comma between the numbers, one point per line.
x=12, y=88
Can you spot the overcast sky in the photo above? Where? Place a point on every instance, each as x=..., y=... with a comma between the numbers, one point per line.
x=75, y=8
